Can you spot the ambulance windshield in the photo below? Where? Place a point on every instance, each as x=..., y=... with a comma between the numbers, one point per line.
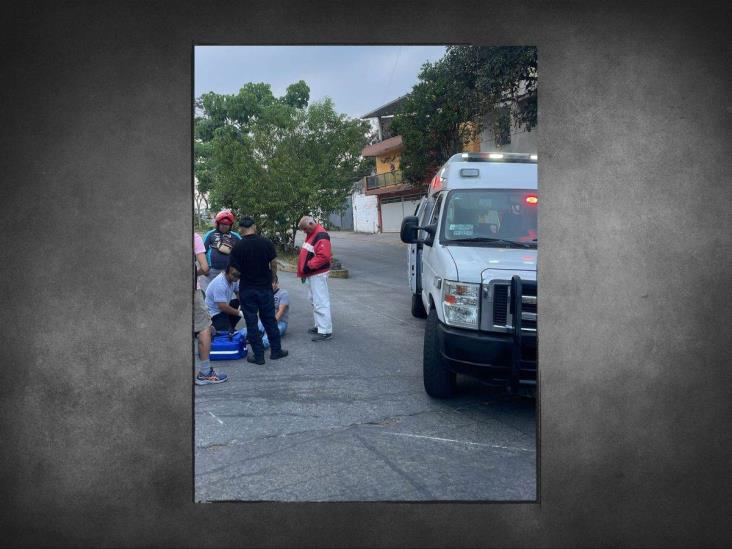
x=498, y=216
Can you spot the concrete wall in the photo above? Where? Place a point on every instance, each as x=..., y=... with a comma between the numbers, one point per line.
x=365, y=213
x=521, y=140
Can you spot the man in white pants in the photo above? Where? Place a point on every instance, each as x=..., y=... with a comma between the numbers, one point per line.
x=313, y=267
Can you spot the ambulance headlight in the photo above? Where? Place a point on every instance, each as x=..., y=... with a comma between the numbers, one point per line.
x=460, y=304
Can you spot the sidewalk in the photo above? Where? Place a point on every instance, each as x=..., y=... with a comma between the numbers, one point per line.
x=345, y=236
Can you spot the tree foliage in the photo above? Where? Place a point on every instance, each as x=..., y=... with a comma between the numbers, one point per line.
x=276, y=159
x=454, y=98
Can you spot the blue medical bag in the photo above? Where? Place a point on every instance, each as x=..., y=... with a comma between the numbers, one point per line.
x=228, y=346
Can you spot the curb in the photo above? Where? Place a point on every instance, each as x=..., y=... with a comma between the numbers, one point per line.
x=286, y=267
x=289, y=268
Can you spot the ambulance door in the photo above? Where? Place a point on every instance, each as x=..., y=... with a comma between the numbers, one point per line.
x=412, y=259
x=428, y=261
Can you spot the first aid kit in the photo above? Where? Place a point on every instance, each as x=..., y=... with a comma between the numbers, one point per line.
x=231, y=346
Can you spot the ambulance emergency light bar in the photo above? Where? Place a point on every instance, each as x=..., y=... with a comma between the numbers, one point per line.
x=493, y=157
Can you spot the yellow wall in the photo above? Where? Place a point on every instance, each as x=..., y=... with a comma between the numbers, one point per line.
x=471, y=145
x=384, y=162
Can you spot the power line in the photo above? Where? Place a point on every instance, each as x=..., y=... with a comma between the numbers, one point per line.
x=393, y=69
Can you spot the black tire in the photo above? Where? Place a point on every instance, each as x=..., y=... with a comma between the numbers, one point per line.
x=439, y=382
x=418, y=307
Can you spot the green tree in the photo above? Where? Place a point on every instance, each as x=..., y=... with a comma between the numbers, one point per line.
x=455, y=96
x=432, y=119
x=277, y=158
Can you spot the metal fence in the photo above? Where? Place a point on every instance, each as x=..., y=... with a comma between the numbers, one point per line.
x=342, y=219
x=383, y=180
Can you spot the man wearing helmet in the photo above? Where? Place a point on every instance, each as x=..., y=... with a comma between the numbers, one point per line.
x=218, y=243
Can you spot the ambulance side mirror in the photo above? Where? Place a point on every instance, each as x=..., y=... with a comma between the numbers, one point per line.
x=431, y=230
x=408, y=231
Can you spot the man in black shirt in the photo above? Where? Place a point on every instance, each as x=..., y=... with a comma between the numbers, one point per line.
x=254, y=257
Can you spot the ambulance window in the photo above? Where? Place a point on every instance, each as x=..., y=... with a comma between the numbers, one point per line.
x=427, y=211
x=436, y=212
x=505, y=215
x=424, y=214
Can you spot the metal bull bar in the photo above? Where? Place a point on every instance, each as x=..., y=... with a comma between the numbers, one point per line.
x=516, y=311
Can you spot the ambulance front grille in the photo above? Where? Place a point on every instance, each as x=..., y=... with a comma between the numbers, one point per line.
x=497, y=307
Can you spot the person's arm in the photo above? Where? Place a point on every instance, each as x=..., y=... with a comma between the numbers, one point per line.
x=228, y=309
x=203, y=267
x=281, y=311
x=221, y=298
x=199, y=250
x=284, y=304
x=273, y=260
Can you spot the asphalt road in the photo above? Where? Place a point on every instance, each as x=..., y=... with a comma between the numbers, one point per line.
x=348, y=419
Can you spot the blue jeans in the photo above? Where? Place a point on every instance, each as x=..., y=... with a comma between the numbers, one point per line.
x=281, y=326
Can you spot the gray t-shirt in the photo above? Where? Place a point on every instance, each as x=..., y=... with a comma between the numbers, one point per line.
x=220, y=290
x=281, y=298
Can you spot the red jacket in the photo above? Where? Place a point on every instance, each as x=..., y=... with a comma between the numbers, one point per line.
x=315, y=253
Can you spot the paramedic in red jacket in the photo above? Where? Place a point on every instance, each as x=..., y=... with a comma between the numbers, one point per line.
x=313, y=266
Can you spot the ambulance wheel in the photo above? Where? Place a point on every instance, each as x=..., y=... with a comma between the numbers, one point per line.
x=418, y=307
x=439, y=382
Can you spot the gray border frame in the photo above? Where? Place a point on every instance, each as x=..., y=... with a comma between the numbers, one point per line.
x=634, y=172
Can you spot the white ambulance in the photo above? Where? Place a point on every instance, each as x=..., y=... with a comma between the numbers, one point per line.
x=472, y=270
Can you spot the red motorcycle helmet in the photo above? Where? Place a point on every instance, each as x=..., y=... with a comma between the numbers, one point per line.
x=224, y=216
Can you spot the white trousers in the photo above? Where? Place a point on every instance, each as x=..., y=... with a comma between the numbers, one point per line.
x=320, y=299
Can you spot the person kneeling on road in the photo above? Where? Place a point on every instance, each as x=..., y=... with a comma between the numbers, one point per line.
x=224, y=310
x=313, y=267
x=254, y=256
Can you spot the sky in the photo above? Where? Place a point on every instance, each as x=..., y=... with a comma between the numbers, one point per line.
x=358, y=79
